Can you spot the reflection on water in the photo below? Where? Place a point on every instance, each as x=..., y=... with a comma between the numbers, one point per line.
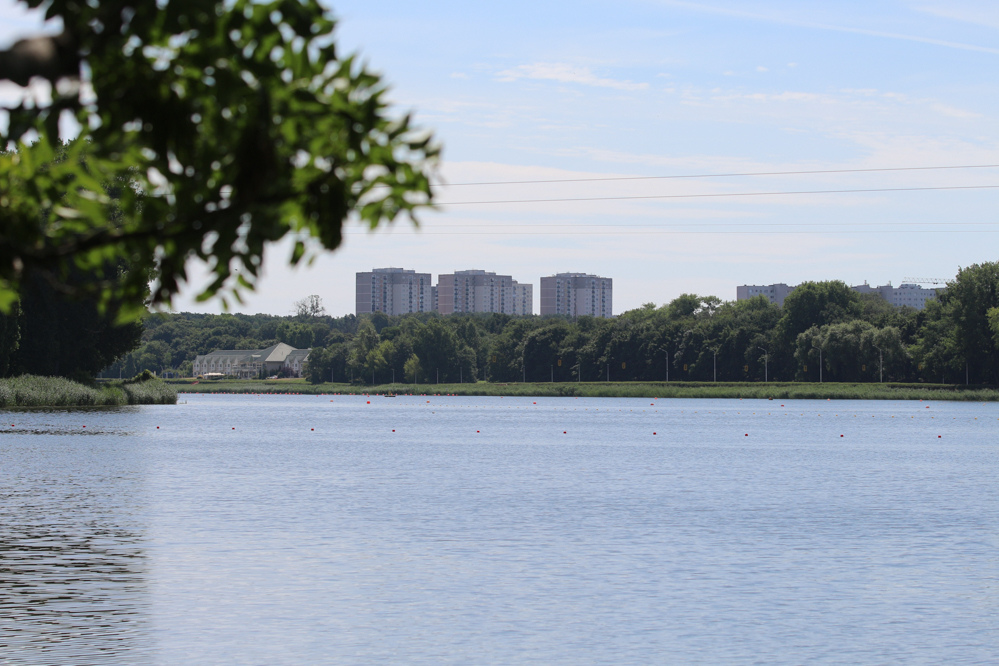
x=73, y=586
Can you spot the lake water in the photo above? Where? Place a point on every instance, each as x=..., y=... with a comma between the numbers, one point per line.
x=443, y=530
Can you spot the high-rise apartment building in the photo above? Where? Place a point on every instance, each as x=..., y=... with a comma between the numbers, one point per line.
x=576, y=294
x=482, y=291
x=394, y=291
x=908, y=294
x=775, y=293
x=523, y=299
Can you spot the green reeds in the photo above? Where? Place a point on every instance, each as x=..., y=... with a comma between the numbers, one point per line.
x=34, y=391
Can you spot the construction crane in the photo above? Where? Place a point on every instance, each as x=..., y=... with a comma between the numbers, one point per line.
x=913, y=280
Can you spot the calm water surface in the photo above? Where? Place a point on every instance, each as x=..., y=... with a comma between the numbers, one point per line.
x=497, y=531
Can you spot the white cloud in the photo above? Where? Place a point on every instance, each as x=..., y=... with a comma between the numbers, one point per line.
x=761, y=68
x=566, y=73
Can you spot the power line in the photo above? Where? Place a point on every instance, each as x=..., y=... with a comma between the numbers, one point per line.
x=682, y=233
x=723, y=224
x=720, y=175
x=716, y=196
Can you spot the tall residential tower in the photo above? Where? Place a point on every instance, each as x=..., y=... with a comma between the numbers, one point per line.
x=576, y=294
x=394, y=291
x=482, y=291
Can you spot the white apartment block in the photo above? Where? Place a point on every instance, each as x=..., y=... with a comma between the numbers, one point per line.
x=576, y=294
x=911, y=295
x=775, y=293
x=523, y=299
x=482, y=291
x=394, y=291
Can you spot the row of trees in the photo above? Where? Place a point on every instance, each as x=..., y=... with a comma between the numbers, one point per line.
x=824, y=331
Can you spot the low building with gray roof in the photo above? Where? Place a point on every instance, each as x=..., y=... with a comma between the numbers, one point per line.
x=250, y=363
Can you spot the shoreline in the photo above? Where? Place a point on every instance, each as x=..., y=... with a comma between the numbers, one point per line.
x=35, y=391
x=727, y=390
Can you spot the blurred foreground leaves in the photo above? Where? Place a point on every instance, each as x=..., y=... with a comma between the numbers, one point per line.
x=225, y=125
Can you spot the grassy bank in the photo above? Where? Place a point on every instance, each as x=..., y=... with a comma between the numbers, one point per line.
x=775, y=390
x=32, y=391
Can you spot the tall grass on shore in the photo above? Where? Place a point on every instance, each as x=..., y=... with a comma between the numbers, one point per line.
x=34, y=391
x=774, y=390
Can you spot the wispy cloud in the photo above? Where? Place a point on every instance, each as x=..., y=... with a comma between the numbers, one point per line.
x=988, y=17
x=784, y=20
x=565, y=73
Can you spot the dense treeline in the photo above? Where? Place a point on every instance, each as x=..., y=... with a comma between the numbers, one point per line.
x=50, y=334
x=696, y=338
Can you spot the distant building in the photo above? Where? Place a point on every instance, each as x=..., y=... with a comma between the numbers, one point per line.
x=394, y=291
x=250, y=363
x=911, y=295
x=482, y=291
x=775, y=293
x=523, y=299
x=576, y=294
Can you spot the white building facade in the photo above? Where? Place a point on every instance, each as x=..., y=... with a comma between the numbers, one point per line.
x=775, y=293
x=482, y=291
x=577, y=294
x=910, y=295
x=394, y=291
x=906, y=294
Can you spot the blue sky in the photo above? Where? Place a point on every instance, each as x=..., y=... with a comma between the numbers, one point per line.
x=532, y=91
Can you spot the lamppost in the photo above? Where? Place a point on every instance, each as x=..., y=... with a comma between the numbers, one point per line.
x=814, y=346
x=766, y=365
x=715, y=352
x=664, y=349
x=881, y=364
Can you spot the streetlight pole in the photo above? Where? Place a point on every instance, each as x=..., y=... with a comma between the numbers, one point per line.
x=553, y=374
x=663, y=349
x=766, y=365
x=715, y=351
x=881, y=364
x=814, y=346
